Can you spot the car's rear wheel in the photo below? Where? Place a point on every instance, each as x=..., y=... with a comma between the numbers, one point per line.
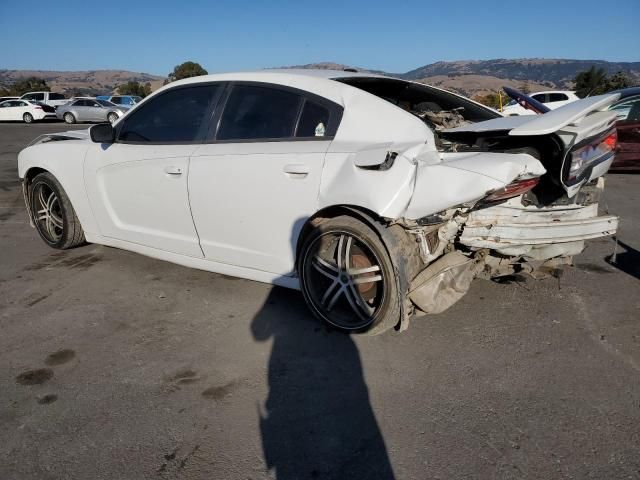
x=27, y=118
x=347, y=277
x=53, y=214
x=112, y=117
x=69, y=118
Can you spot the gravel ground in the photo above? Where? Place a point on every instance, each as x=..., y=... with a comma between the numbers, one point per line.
x=117, y=366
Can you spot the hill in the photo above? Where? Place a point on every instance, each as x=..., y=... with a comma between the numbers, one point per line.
x=474, y=77
x=86, y=82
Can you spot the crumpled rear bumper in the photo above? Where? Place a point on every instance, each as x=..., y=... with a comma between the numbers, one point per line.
x=512, y=229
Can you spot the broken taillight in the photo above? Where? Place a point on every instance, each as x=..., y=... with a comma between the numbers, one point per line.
x=589, y=153
x=512, y=190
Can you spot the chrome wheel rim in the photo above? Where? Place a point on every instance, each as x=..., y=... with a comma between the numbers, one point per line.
x=112, y=118
x=48, y=213
x=28, y=118
x=344, y=280
x=68, y=118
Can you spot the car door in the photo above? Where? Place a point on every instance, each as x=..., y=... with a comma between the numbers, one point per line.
x=257, y=179
x=97, y=112
x=81, y=110
x=5, y=110
x=137, y=186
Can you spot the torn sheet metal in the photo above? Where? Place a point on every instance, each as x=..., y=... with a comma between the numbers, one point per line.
x=442, y=283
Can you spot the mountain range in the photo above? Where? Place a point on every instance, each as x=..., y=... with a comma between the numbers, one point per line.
x=469, y=77
x=473, y=77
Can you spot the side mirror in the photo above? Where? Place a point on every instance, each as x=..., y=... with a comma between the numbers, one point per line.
x=102, y=133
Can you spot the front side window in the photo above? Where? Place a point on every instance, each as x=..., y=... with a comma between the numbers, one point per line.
x=56, y=96
x=116, y=100
x=176, y=116
x=80, y=103
x=255, y=112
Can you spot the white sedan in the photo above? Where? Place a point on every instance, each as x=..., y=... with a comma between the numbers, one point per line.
x=25, y=111
x=375, y=196
x=552, y=99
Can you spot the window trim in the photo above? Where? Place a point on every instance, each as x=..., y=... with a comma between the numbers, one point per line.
x=335, y=115
x=204, y=126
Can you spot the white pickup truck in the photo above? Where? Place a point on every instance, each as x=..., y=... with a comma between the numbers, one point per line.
x=48, y=98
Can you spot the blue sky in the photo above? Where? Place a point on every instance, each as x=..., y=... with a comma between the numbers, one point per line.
x=395, y=36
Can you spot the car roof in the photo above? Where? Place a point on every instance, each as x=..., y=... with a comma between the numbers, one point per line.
x=627, y=92
x=552, y=91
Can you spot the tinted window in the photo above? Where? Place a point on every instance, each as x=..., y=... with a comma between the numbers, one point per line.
x=541, y=97
x=80, y=103
x=116, y=100
x=174, y=116
x=104, y=103
x=624, y=109
x=253, y=112
x=38, y=97
x=557, y=97
x=313, y=121
x=56, y=96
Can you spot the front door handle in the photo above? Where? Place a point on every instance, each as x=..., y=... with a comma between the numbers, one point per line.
x=172, y=170
x=296, y=170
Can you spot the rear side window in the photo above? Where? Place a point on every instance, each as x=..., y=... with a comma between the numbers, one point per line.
x=56, y=96
x=177, y=116
x=253, y=112
x=557, y=97
x=541, y=97
x=80, y=103
x=116, y=100
x=313, y=120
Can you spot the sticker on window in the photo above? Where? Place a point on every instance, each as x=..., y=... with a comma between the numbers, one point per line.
x=320, y=130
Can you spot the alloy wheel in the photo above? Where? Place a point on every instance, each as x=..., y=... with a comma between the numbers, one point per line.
x=48, y=212
x=344, y=280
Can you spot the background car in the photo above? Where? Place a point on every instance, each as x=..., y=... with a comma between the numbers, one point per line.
x=127, y=100
x=85, y=109
x=552, y=99
x=52, y=99
x=628, y=126
x=4, y=99
x=23, y=110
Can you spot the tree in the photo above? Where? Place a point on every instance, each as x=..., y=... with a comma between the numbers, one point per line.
x=490, y=100
x=134, y=88
x=591, y=82
x=29, y=84
x=617, y=81
x=185, y=70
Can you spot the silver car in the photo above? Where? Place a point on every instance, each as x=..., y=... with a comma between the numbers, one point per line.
x=90, y=110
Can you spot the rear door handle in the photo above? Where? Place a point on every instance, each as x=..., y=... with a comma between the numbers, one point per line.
x=296, y=170
x=172, y=170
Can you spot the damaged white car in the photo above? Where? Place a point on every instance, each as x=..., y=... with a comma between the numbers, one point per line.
x=372, y=195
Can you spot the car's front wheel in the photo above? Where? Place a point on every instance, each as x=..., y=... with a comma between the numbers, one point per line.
x=347, y=277
x=27, y=118
x=69, y=118
x=52, y=212
x=112, y=117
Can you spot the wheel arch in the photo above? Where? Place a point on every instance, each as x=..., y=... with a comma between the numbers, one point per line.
x=400, y=247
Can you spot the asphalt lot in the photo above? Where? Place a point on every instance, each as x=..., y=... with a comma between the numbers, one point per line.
x=114, y=365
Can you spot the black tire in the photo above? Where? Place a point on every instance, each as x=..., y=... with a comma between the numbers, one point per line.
x=27, y=117
x=112, y=117
x=69, y=118
x=53, y=214
x=334, y=291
